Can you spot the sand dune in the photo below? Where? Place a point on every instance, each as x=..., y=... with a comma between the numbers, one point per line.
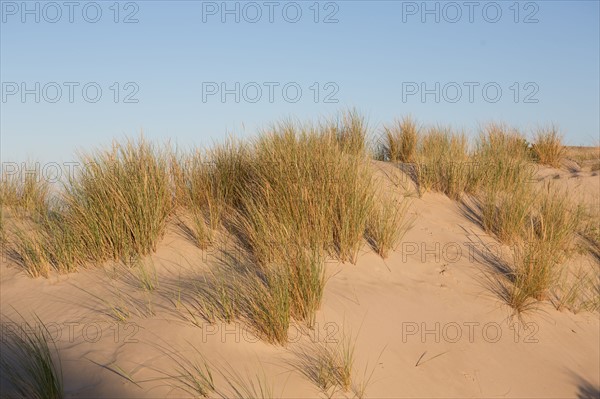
x=424, y=320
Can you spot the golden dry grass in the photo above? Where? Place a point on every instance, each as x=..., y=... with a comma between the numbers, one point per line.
x=292, y=197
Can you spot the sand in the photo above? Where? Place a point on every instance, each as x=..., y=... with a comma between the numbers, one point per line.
x=424, y=320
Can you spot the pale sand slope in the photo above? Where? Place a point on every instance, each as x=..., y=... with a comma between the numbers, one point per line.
x=387, y=305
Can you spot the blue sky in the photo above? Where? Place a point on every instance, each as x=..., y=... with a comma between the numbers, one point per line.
x=164, y=74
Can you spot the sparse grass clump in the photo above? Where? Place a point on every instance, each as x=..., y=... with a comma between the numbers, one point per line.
x=24, y=193
x=388, y=223
x=540, y=224
x=262, y=298
x=144, y=273
x=193, y=376
x=200, y=198
x=548, y=234
x=399, y=141
x=212, y=184
x=249, y=386
x=350, y=132
x=353, y=204
x=265, y=303
x=306, y=275
x=24, y=189
x=46, y=243
x=548, y=148
x=506, y=214
x=28, y=363
x=330, y=366
x=557, y=220
x=31, y=250
x=501, y=160
x=501, y=182
x=443, y=162
x=535, y=267
x=577, y=292
x=265, y=297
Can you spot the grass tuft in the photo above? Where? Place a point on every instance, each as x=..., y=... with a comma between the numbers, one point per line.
x=24, y=189
x=119, y=205
x=115, y=209
x=548, y=148
x=327, y=365
x=505, y=214
x=350, y=132
x=577, y=292
x=547, y=236
x=399, y=141
x=388, y=223
x=443, y=162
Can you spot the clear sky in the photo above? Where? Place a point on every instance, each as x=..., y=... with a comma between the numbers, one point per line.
x=76, y=74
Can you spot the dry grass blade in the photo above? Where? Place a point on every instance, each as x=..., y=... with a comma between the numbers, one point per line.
x=577, y=292
x=329, y=366
x=245, y=386
x=28, y=363
x=193, y=376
